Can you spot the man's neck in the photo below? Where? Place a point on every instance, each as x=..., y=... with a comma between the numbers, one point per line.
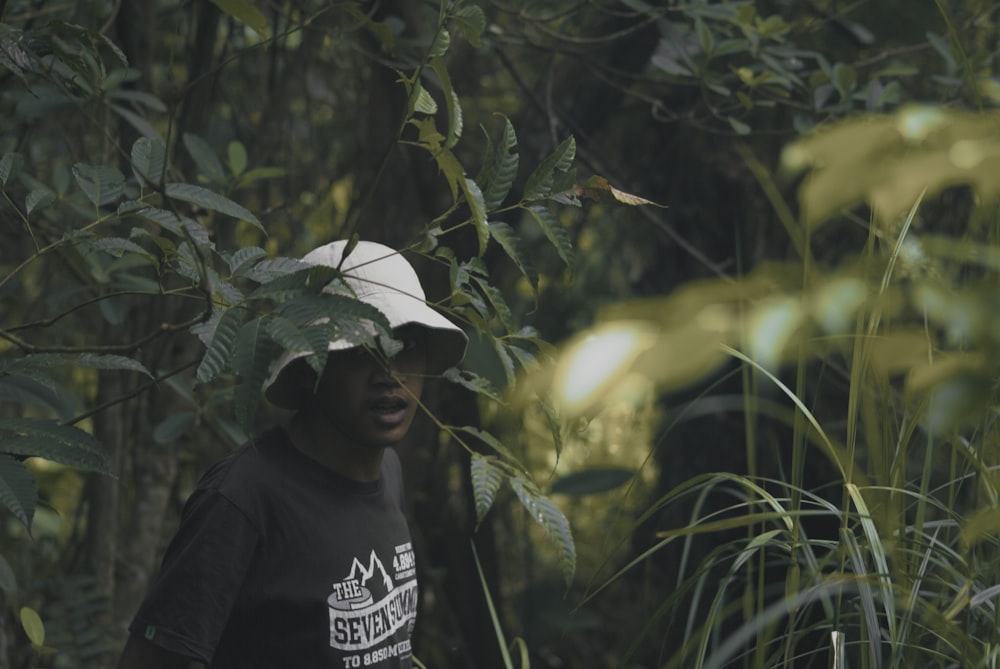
x=330, y=448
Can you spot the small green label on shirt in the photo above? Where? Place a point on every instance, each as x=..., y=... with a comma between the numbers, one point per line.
x=150, y=632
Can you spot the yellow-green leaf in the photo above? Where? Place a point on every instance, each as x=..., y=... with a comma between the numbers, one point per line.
x=33, y=626
x=247, y=13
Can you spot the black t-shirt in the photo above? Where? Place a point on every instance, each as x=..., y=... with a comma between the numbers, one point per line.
x=281, y=564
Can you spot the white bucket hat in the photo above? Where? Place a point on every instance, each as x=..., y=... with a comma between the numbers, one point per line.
x=380, y=277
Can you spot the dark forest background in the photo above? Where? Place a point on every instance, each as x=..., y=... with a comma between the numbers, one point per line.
x=729, y=270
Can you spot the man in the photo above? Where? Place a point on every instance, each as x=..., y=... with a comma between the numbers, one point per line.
x=294, y=552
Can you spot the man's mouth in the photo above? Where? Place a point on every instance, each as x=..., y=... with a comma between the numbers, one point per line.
x=389, y=409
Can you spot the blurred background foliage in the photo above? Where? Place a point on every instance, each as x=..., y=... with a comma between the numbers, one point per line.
x=744, y=336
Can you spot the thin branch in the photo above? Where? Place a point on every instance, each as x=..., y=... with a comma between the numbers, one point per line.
x=47, y=322
x=165, y=328
x=126, y=397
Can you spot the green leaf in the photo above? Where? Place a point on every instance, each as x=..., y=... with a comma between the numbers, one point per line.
x=552, y=520
x=591, y=481
x=181, y=226
x=506, y=361
x=39, y=391
x=33, y=626
x=10, y=166
x=486, y=480
x=738, y=126
x=348, y=317
x=137, y=121
x=451, y=100
x=247, y=13
x=511, y=244
x=290, y=337
x=252, y=353
x=425, y=103
x=111, y=362
x=500, y=306
x=540, y=182
x=259, y=174
x=220, y=348
x=149, y=159
x=474, y=382
x=118, y=247
x=453, y=171
x=487, y=439
x=471, y=22
x=555, y=232
x=204, y=157
x=18, y=490
x=244, y=258
x=211, y=200
x=101, y=185
x=48, y=439
x=38, y=198
x=237, y=155
x=439, y=47
x=474, y=198
x=173, y=427
x=499, y=169
x=379, y=29
x=8, y=580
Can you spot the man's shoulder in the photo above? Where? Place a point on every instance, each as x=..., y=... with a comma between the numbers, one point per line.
x=254, y=459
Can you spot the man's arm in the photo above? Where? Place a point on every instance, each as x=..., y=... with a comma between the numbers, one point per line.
x=141, y=654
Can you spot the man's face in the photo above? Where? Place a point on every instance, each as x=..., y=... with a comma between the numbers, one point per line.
x=369, y=399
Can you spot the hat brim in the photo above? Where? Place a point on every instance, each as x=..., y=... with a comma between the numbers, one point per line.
x=446, y=345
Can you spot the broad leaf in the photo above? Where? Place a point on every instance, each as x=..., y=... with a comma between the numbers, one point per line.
x=38, y=198
x=425, y=103
x=33, y=626
x=477, y=210
x=204, y=157
x=252, y=354
x=10, y=166
x=32, y=392
x=181, y=226
x=18, y=490
x=500, y=307
x=553, y=229
x=236, y=154
x=111, y=362
x=211, y=200
x=349, y=317
x=548, y=515
x=173, y=427
x=220, y=348
x=102, y=185
x=119, y=247
x=540, y=183
x=486, y=480
x=244, y=258
x=442, y=40
x=290, y=337
x=487, y=439
x=511, y=244
x=149, y=159
x=506, y=361
x=271, y=269
x=598, y=189
x=451, y=102
x=247, y=13
x=591, y=481
x=499, y=169
x=471, y=22
x=61, y=443
x=474, y=382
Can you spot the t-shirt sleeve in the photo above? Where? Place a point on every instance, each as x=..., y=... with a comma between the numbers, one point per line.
x=193, y=596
